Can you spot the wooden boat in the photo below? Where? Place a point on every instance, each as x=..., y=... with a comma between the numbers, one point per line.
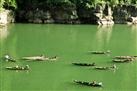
x=106, y=68
x=84, y=64
x=125, y=57
x=99, y=52
x=36, y=58
x=122, y=60
x=18, y=68
x=102, y=68
x=92, y=84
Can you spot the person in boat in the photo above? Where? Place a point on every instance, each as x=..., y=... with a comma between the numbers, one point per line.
x=8, y=58
x=26, y=67
x=108, y=51
x=100, y=83
x=54, y=58
x=114, y=66
x=43, y=58
x=42, y=55
x=94, y=82
x=93, y=64
x=16, y=66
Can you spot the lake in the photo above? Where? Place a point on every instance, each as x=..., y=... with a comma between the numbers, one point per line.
x=70, y=43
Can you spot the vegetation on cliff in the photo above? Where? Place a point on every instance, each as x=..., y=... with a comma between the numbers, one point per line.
x=8, y=4
x=11, y=4
x=70, y=11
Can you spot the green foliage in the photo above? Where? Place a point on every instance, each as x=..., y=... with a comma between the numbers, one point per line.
x=12, y=4
x=57, y=1
x=8, y=4
x=134, y=1
x=1, y=4
x=114, y=2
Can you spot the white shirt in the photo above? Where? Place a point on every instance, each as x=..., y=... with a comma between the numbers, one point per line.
x=7, y=56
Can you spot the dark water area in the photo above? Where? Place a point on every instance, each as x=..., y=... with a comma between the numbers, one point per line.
x=70, y=43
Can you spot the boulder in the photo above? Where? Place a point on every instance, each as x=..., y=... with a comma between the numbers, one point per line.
x=132, y=20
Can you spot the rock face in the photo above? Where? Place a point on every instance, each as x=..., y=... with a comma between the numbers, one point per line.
x=120, y=14
x=38, y=16
x=6, y=16
x=132, y=20
x=66, y=13
x=123, y=13
x=3, y=18
x=105, y=21
x=105, y=16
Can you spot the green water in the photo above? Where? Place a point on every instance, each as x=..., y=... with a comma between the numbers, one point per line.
x=70, y=43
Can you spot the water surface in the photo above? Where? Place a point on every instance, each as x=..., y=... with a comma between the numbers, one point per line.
x=71, y=43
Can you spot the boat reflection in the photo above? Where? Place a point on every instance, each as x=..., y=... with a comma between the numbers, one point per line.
x=133, y=31
x=3, y=32
x=103, y=36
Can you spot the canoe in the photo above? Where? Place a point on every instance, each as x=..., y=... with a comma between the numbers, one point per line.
x=89, y=83
x=84, y=64
x=99, y=52
x=122, y=61
x=14, y=68
x=102, y=68
x=18, y=68
x=36, y=58
x=124, y=57
x=106, y=68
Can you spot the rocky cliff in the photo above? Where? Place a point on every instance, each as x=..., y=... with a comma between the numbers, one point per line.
x=65, y=13
x=6, y=16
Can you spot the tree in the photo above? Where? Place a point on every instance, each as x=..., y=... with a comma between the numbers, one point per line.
x=1, y=4
x=134, y=1
x=10, y=4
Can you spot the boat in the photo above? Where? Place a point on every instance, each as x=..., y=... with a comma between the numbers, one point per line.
x=106, y=68
x=99, y=52
x=122, y=60
x=92, y=84
x=102, y=68
x=36, y=58
x=18, y=68
x=125, y=57
x=84, y=64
